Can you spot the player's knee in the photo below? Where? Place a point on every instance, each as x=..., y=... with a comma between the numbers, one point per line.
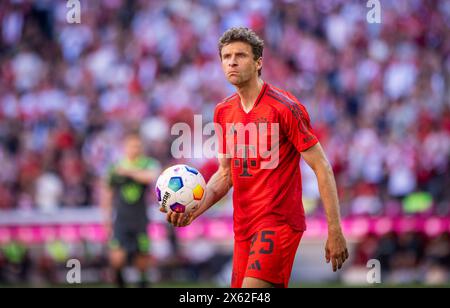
x=142, y=262
x=117, y=258
x=251, y=282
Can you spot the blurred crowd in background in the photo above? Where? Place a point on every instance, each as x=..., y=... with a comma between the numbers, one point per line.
x=378, y=94
x=409, y=257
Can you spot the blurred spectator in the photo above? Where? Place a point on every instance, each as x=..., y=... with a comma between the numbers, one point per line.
x=437, y=258
x=49, y=192
x=405, y=258
x=15, y=262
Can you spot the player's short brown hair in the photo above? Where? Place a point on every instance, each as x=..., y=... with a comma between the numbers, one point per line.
x=245, y=35
x=131, y=133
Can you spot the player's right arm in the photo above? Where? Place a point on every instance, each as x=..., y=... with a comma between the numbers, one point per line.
x=218, y=186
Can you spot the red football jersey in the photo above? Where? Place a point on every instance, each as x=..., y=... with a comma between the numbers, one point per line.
x=264, y=145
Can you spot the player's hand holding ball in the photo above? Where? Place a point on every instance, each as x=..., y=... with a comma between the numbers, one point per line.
x=180, y=190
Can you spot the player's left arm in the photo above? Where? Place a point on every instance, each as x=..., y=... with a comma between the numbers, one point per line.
x=141, y=176
x=146, y=175
x=336, y=246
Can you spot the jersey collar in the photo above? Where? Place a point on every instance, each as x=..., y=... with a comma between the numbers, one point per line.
x=258, y=99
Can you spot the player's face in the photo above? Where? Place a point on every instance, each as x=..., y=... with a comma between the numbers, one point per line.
x=133, y=147
x=238, y=63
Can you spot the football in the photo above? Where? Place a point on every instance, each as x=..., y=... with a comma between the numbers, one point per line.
x=180, y=188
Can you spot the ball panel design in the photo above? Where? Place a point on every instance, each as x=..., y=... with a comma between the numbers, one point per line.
x=178, y=208
x=184, y=196
x=175, y=183
x=191, y=170
x=198, y=192
x=158, y=193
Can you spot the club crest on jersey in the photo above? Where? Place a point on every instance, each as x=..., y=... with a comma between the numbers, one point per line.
x=253, y=146
x=261, y=120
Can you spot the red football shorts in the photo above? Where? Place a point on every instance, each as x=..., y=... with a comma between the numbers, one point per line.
x=268, y=256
